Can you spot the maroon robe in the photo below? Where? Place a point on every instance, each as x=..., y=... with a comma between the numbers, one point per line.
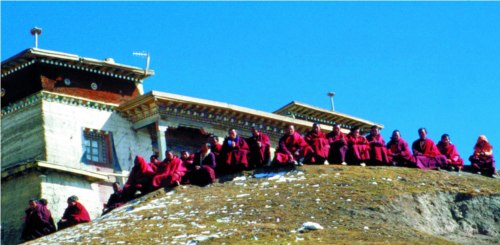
x=378, y=152
x=399, y=153
x=259, y=155
x=358, y=149
x=319, y=145
x=139, y=178
x=115, y=200
x=38, y=222
x=74, y=215
x=293, y=145
x=233, y=159
x=338, y=147
x=205, y=174
x=169, y=173
x=427, y=155
x=451, y=153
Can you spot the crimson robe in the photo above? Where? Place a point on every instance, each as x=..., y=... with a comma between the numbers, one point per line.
x=38, y=223
x=358, y=150
x=427, y=154
x=320, y=146
x=451, y=153
x=139, y=178
x=338, y=147
x=291, y=145
x=169, y=173
x=378, y=152
x=74, y=215
x=233, y=159
x=259, y=155
x=399, y=153
x=115, y=200
x=205, y=174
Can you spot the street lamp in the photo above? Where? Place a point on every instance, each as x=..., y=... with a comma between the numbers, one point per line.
x=331, y=94
x=35, y=31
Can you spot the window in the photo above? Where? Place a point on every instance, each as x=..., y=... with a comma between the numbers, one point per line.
x=96, y=146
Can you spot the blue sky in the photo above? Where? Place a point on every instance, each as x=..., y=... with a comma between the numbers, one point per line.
x=402, y=64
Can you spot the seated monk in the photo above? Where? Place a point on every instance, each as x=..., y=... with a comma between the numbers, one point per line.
x=358, y=150
x=215, y=147
x=233, y=154
x=292, y=149
x=38, y=221
x=398, y=151
x=202, y=171
x=187, y=158
x=319, y=144
x=482, y=159
x=139, y=179
x=115, y=200
x=154, y=162
x=378, y=152
x=450, y=152
x=338, y=146
x=427, y=155
x=74, y=214
x=170, y=172
x=260, y=149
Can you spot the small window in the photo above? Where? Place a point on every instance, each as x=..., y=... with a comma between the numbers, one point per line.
x=96, y=146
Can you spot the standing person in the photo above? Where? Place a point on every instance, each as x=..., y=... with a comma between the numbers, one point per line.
x=482, y=159
x=74, y=214
x=292, y=148
x=426, y=153
x=215, y=147
x=450, y=152
x=260, y=149
x=233, y=154
x=170, y=172
x=319, y=144
x=358, y=148
x=399, y=152
x=139, y=179
x=202, y=171
x=378, y=152
x=115, y=200
x=338, y=146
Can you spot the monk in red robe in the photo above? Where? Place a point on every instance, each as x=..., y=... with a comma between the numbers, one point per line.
x=319, y=144
x=139, y=179
x=74, y=214
x=338, y=146
x=233, y=154
x=426, y=153
x=450, y=152
x=115, y=200
x=260, y=149
x=358, y=151
x=154, y=162
x=398, y=151
x=170, y=172
x=202, y=171
x=38, y=221
x=378, y=152
x=482, y=161
x=187, y=158
x=215, y=147
x=292, y=149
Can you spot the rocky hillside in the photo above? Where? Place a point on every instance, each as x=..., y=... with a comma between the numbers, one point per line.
x=343, y=205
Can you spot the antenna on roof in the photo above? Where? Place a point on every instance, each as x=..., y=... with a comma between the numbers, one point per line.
x=143, y=54
x=35, y=31
x=331, y=94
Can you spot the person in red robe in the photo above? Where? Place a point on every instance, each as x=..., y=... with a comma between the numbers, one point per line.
x=292, y=149
x=38, y=221
x=215, y=147
x=319, y=144
x=378, y=152
x=358, y=151
x=170, y=172
x=233, y=154
x=115, y=200
x=338, y=146
x=399, y=152
x=426, y=153
x=187, y=158
x=260, y=149
x=482, y=161
x=139, y=179
x=450, y=152
x=74, y=214
x=154, y=162
x=202, y=171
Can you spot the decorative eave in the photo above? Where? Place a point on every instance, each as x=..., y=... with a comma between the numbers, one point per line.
x=42, y=165
x=311, y=113
x=163, y=105
x=101, y=67
x=56, y=97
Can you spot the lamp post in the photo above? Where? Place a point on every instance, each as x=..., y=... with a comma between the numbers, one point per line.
x=35, y=31
x=331, y=94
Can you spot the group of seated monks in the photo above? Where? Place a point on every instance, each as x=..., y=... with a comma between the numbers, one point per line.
x=38, y=219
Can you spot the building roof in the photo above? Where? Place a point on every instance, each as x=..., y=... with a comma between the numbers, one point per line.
x=105, y=67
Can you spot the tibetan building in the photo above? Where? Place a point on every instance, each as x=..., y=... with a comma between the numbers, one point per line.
x=72, y=126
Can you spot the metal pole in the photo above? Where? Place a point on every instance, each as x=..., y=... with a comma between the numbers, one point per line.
x=331, y=94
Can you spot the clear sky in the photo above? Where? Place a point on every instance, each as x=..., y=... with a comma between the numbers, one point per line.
x=405, y=65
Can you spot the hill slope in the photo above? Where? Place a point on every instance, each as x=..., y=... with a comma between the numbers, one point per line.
x=353, y=204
